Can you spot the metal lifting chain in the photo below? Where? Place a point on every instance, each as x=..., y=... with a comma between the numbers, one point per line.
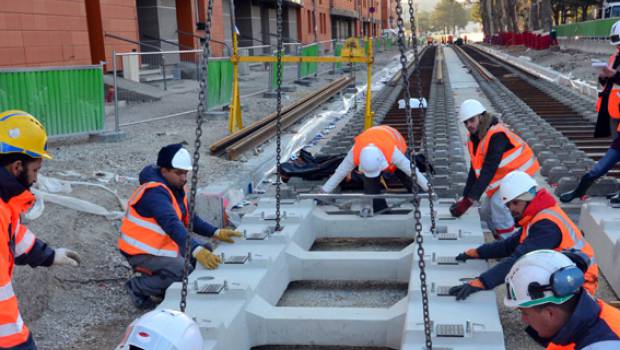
x=278, y=112
x=414, y=178
x=200, y=116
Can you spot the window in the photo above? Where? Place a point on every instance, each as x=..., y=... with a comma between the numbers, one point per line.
x=309, y=21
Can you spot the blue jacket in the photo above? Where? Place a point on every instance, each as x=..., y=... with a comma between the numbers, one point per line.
x=40, y=254
x=584, y=328
x=544, y=234
x=156, y=203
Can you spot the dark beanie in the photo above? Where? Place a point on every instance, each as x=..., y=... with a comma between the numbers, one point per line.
x=164, y=158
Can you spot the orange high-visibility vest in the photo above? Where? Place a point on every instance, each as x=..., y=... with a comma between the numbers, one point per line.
x=520, y=157
x=608, y=313
x=571, y=239
x=17, y=240
x=143, y=235
x=385, y=138
x=613, y=103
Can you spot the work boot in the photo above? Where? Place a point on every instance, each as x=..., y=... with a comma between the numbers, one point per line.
x=585, y=183
x=142, y=302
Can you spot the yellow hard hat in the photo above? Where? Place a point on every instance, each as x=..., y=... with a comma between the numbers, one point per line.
x=20, y=132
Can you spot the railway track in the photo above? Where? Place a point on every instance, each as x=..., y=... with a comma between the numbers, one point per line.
x=563, y=118
x=235, y=144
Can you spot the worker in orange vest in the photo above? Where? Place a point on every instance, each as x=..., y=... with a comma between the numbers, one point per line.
x=153, y=231
x=494, y=151
x=543, y=225
x=608, y=109
x=376, y=150
x=23, y=146
x=547, y=288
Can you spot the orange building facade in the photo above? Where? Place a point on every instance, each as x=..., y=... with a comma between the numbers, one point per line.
x=81, y=32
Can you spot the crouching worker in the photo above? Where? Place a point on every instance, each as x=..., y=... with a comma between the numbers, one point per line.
x=376, y=150
x=154, y=229
x=23, y=147
x=548, y=289
x=543, y=225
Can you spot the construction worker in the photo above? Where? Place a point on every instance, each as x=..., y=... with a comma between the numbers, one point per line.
x=494, y=151
x=154, y=229
x=608, y=108
x=23, y=146
x=544, y=225
x=162, y=330
x=377, y=149
x=546, y=287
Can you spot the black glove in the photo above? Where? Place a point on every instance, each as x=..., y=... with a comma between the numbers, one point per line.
x=463, y=291
x=462, y=257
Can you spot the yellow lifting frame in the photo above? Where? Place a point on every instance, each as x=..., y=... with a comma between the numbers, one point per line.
x=235, y=121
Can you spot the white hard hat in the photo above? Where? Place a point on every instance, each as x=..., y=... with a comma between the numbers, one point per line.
x=614, y=34
x=162, y=330
x=515, y=184
x=541, y=277
x=182, y=160
x=470, y=109
x=372, y=161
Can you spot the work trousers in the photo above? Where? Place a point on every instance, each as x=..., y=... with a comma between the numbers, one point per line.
x=157, y=273
x=497, y=216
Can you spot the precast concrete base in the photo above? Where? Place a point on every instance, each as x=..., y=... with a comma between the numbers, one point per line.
x=236, y=304
x=601, y=226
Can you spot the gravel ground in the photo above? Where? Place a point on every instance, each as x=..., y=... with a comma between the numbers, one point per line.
x=570, y=62
x=375, y=244
x=374, y=294
x=86, y=307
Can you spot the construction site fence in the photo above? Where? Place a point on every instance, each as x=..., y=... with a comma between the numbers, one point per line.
x=595, y=29
x=67, y=100
x=532, y=40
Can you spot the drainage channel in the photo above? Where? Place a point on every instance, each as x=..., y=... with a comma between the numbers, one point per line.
x=553, y=120
x=331, y=279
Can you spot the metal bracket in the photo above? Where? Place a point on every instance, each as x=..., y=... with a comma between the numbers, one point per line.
x=450, y=330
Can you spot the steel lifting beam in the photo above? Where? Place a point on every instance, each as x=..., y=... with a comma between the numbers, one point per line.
x=235, y=120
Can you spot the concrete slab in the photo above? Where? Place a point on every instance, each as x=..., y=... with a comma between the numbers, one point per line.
x=245, y=313
x=601, y=225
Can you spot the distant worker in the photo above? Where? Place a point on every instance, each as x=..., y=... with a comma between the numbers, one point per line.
x=543, y=226
x=608, y=108
x=154, y=229
x=162, y=330
x=494, y=151
x=376, y=150
x=23, y=146
x=546, y=287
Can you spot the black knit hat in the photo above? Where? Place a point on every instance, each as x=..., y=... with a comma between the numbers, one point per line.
x=166, y=153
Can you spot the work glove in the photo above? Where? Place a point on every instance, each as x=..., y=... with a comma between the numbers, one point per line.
x=206, y=258
x=459, y=208
x=64, y=256
x=226, y=234
x=463, y=291
x=468, y=254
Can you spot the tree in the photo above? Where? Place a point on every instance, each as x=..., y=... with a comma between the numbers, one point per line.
x=425, y=23
x=475, y=13
x=449, y=15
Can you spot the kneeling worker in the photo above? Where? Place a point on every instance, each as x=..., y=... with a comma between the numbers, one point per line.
x=378, y=149
x=494, y=151
x=544, y=225
x=546, y=286
x=154, y=229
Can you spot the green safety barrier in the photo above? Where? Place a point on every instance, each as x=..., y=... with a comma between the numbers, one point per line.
x=596, y=28
x=338, y=52
x=66, y=100
x=220, y=81
x=309, y=68
x=274, y=72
